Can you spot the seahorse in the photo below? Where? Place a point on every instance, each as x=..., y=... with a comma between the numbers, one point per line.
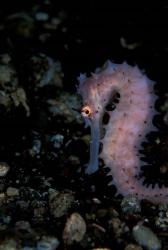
x=128, y=124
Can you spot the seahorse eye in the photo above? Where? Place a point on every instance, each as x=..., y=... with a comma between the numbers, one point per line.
x=86, y=111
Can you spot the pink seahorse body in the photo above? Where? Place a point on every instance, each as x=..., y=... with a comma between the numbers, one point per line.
x=127, y=126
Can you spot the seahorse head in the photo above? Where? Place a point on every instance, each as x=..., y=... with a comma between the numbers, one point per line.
x=91, y=98
x=95, y=91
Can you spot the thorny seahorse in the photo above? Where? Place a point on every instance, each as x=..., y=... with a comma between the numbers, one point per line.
x=128, y=124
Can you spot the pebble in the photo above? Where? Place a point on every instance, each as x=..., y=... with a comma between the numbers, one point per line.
x=161, y=221
x=19, y=97
x=36, y=148
x=8, y=79
x=165, y=119
x=101, y=249
x=23, y=226
x=102, y=212
x=60, y=202
x=132, y=247
x=48, y=243
x=4, y=168
x=74, y=160
x=39, y=214
x=75, y=229
x=111, y=212
x=130, y=205
x=11, y=191
x=146, y=238
x=22, y=205
x=118, y=226
x=41, y=16
x=9, y=244
x=28, y=248
x=57, y=140
x=11, y=94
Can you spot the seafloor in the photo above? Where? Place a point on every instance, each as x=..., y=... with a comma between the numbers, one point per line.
x=47, y=201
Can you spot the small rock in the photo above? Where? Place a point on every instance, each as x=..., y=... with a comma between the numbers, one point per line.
x=36, y=148
x=163, y=207
x=8, y=77
x=146, y=238
x=101, y=249
x=4, y=168
x=9, y=244
x=54, y=22
x=111, y=212
x=10, y=92
x=102, y=212
x=118, y=226
x=23, y=226
x=57, y=140
x=165, y=119
x=74, y=160
x=11, y=191
x=39, y=214
x=19, y=97
x=48, y=243
x=23, y=205
x=29, y=248
x=5, y=59
x=60, y=202
x=161, y=221
x=5, y=220
x=130, y=205
x=41, y=16
x=132, y=247
x=75, y=229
